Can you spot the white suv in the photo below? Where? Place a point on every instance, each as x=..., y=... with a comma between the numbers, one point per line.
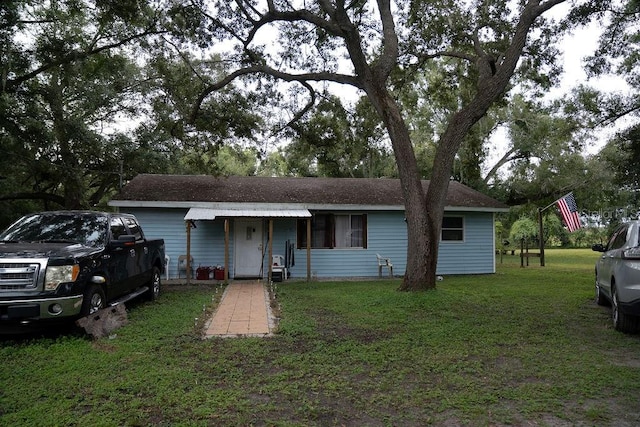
x=618, y=276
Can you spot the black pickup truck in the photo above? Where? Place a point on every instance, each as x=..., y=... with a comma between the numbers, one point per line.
x=68, y=264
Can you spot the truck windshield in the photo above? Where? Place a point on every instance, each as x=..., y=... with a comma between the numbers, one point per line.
x=82, y=228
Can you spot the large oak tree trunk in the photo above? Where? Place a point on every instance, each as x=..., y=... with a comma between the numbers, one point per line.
x=419, y=274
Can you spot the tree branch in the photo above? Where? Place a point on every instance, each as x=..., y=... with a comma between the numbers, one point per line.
x=310, y=104
x=389, y=58
x=273, y=15
x=74, y=56
x=511, y=155
x=264, y=69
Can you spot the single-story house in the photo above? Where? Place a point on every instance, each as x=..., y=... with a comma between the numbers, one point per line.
x=321, y=227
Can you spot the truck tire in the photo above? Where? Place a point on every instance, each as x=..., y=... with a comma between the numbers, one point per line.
x=94, y=300
x=154, y=285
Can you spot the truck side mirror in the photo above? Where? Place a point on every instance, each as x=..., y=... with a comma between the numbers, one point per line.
x=124, y=240
x=598, y=247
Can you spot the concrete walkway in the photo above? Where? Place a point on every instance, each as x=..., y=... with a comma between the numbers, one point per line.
x=244, y=310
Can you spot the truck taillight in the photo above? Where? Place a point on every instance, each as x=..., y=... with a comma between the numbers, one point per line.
x=60, y=274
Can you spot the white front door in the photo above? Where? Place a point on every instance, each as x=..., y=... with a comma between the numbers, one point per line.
x=248, y=248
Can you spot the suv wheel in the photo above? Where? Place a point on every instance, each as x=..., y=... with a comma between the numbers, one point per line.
x=621, y=322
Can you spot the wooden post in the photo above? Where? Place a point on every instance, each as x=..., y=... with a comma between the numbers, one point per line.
x=270, y=260
x=188, y=269
x=226, y=249
x=541, y=233
x=308, y=249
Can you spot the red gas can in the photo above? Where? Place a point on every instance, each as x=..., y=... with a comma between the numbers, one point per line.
x=202, y=273
x=218, y=273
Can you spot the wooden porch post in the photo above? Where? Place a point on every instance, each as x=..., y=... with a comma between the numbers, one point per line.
x=226, y=249
x=308, y=249
x=270, y=260
x=188, y=269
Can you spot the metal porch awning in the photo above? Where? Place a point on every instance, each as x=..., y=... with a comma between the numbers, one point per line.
x=212, y=213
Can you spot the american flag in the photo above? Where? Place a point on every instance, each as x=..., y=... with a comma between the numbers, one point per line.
x=569, y=212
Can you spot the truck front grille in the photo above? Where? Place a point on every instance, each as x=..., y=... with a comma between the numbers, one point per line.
x=18, y=276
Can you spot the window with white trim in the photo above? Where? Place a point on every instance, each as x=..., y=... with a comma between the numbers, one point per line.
x=330, y=231
x=453, y=229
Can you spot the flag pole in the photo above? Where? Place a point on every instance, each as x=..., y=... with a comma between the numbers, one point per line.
x=541, y=228
x=551, y=204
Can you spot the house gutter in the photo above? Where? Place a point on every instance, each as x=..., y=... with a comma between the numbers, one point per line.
x=284, y=206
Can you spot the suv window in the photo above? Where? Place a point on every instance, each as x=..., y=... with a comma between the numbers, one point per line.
x=618, y=238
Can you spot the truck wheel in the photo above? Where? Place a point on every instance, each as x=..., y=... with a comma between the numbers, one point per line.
x=93, y=300
x=154, y=285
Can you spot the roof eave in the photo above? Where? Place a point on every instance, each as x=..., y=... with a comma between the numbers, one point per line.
x=310, y=206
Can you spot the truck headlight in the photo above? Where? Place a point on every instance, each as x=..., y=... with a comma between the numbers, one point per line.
x=60, y=274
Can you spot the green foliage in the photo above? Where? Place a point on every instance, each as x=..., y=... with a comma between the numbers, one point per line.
x=333, y=141
x=62, y=123
x=63, y=87
x=523, y=229
x=70, y=70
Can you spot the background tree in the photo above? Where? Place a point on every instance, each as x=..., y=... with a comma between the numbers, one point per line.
x=523, y=229
x=174, y=80
x=72, y=73
x=65, y=78
x=335, y=142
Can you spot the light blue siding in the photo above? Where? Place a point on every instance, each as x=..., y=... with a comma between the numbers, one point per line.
x=386, y=235
x=476, y=254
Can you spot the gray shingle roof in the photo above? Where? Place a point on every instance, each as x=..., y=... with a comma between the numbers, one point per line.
x=287, y=190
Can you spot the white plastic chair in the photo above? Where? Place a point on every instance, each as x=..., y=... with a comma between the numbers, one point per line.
x=182, y=265
x=278, y=269
x=384, y=262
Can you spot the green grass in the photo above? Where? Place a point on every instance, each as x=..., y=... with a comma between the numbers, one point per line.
x=523, y=346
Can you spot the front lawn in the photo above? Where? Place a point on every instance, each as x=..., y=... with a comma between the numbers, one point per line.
x=526, y=346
